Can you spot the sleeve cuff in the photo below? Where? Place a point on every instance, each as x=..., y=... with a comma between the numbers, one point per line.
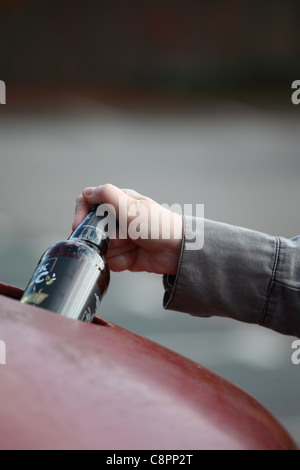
x=228, y=276
x=176, y=286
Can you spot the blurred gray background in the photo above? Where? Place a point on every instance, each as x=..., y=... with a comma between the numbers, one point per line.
x=185, y=105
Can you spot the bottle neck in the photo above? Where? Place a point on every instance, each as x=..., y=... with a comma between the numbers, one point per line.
x=92, y=230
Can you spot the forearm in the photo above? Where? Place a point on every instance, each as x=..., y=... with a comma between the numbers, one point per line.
x=241, y=274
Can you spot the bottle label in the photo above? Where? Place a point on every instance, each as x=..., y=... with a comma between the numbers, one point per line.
x=63, y=286
x=43, y=276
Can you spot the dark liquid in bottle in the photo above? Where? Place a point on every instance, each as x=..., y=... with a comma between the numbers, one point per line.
x=72, y=276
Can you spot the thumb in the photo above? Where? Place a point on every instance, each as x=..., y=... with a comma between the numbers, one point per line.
x=126, y=204
x=108, y=194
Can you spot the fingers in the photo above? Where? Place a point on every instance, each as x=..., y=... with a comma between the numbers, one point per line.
x=118, y=247
x=134, y=194
x=124, y=261
x=81, y=210
x=125, y=202
x=106, y=194
x=121, y=256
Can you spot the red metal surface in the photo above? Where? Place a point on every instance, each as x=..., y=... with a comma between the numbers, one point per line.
x=72, y=385
x=10, y=291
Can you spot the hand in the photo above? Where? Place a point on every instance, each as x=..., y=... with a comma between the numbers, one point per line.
x=143, y=253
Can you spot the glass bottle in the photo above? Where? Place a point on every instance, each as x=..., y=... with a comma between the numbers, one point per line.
x=72, y=276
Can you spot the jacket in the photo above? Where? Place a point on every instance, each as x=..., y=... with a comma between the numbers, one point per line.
x=238, y=273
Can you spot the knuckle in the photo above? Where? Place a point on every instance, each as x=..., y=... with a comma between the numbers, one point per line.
x=106, y=187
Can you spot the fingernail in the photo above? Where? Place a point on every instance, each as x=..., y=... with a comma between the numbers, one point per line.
x=88, y=191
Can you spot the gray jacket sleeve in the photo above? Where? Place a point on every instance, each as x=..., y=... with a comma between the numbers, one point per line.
x=238, y=273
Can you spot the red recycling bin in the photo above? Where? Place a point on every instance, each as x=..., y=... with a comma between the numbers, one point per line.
x=67, y=384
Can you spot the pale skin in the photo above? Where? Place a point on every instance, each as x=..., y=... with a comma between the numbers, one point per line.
x=160, y=256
